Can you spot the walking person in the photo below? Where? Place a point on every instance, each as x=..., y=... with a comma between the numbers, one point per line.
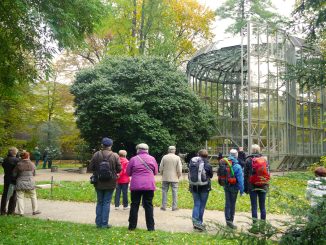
x=45, y=157
x=231, y=178
x=37, y=155
x=9, y=163
x=25, y=183
x=122, y=182
x=142, y=168
x=200, y=174
x=105, y=164
x=171, y=170
x=256, y=178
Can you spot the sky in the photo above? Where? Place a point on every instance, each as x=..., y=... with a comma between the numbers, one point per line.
x=283, y=7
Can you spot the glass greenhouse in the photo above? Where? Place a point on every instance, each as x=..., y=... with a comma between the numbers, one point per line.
x=247, y=86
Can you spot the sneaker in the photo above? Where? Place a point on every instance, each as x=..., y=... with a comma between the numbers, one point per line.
x=199, y=227
x=116, y=208
x=231, y=225
x=175, y=209
x=163, y=209
x=36, y=212
x=126, y=208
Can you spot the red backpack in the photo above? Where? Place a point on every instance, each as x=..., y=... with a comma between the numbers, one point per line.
x=259, y=172
x=225, y=173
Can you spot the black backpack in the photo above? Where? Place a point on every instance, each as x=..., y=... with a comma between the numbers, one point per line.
x=105, y=170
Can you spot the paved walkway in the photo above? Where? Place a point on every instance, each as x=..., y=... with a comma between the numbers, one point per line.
x=172, y=221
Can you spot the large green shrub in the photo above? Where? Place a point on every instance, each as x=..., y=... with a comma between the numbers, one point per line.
x=141, y=99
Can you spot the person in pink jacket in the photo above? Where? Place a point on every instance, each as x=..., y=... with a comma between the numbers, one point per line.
x=122, y=182
x=142, y=169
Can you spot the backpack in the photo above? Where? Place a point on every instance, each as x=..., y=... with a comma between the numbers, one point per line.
x=259, y=175
x=105, y=171
x=225, y=173
x=197, y=173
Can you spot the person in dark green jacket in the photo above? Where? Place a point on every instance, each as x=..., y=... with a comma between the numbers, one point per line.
x=37, y=155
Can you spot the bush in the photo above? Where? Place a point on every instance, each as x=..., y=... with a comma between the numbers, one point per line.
x=310, y=229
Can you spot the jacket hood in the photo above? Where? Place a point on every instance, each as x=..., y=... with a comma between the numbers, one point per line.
x=233, y=159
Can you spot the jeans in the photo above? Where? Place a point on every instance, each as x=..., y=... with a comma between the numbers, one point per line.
x=200, y=200
x=148, y=206
x=165, y=189
x=261, y=199
x=12, y=200
x=103, y=207
x=124, y=189
x=230, y=200
x=36, y=162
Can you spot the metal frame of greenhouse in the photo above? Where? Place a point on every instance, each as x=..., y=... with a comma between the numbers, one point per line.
x=245, y=86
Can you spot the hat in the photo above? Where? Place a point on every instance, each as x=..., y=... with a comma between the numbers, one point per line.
x=142, y=146
x=107, y=141
x=234, y=152
x=172, y=148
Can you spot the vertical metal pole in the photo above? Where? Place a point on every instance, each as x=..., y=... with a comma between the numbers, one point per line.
x=51, y=187
x=268, y=97
x=249, y=85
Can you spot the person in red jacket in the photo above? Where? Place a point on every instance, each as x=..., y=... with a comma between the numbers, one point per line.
x=122, y=182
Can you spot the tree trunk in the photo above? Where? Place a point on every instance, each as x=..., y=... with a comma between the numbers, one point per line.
x=141, y=30
x=133, y=28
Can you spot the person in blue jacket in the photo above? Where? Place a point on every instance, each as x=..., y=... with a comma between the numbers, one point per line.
x=231, y=190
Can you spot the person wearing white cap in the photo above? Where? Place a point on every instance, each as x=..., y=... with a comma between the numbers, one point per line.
x=232, y=188
x=171, y=170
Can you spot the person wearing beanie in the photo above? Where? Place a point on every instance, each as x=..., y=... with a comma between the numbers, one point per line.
x=9, y=163
x=25, y=183
x=142, y=169
x=122, y=182
x=231, y=189
x=104, y=163
x=171, y=170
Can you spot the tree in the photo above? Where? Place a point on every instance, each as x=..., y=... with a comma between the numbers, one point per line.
x=313, y=15
x=29, y=29
x=244, y=10
x=140, y=99
x=172, y=29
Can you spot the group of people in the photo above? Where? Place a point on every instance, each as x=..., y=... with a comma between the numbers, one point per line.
x=19, y=182
x=139, y=172
x=46, y=157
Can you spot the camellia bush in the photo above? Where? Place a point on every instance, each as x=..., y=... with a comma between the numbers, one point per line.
x=142, y=99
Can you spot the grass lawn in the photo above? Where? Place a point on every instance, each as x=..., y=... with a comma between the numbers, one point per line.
x=285, y=193
x=20, y=230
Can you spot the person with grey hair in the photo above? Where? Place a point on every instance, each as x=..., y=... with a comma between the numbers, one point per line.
x=171, y=170
x=122, y=182
x=106, y=165
x=142, y=168
x=233, y=184
x=256, y=190
x=9, y=164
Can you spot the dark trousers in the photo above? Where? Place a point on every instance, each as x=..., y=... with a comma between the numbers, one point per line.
x=12, y=200
x=124, y=189
x=261, y=200
x=230, y=201
x=148, y=206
